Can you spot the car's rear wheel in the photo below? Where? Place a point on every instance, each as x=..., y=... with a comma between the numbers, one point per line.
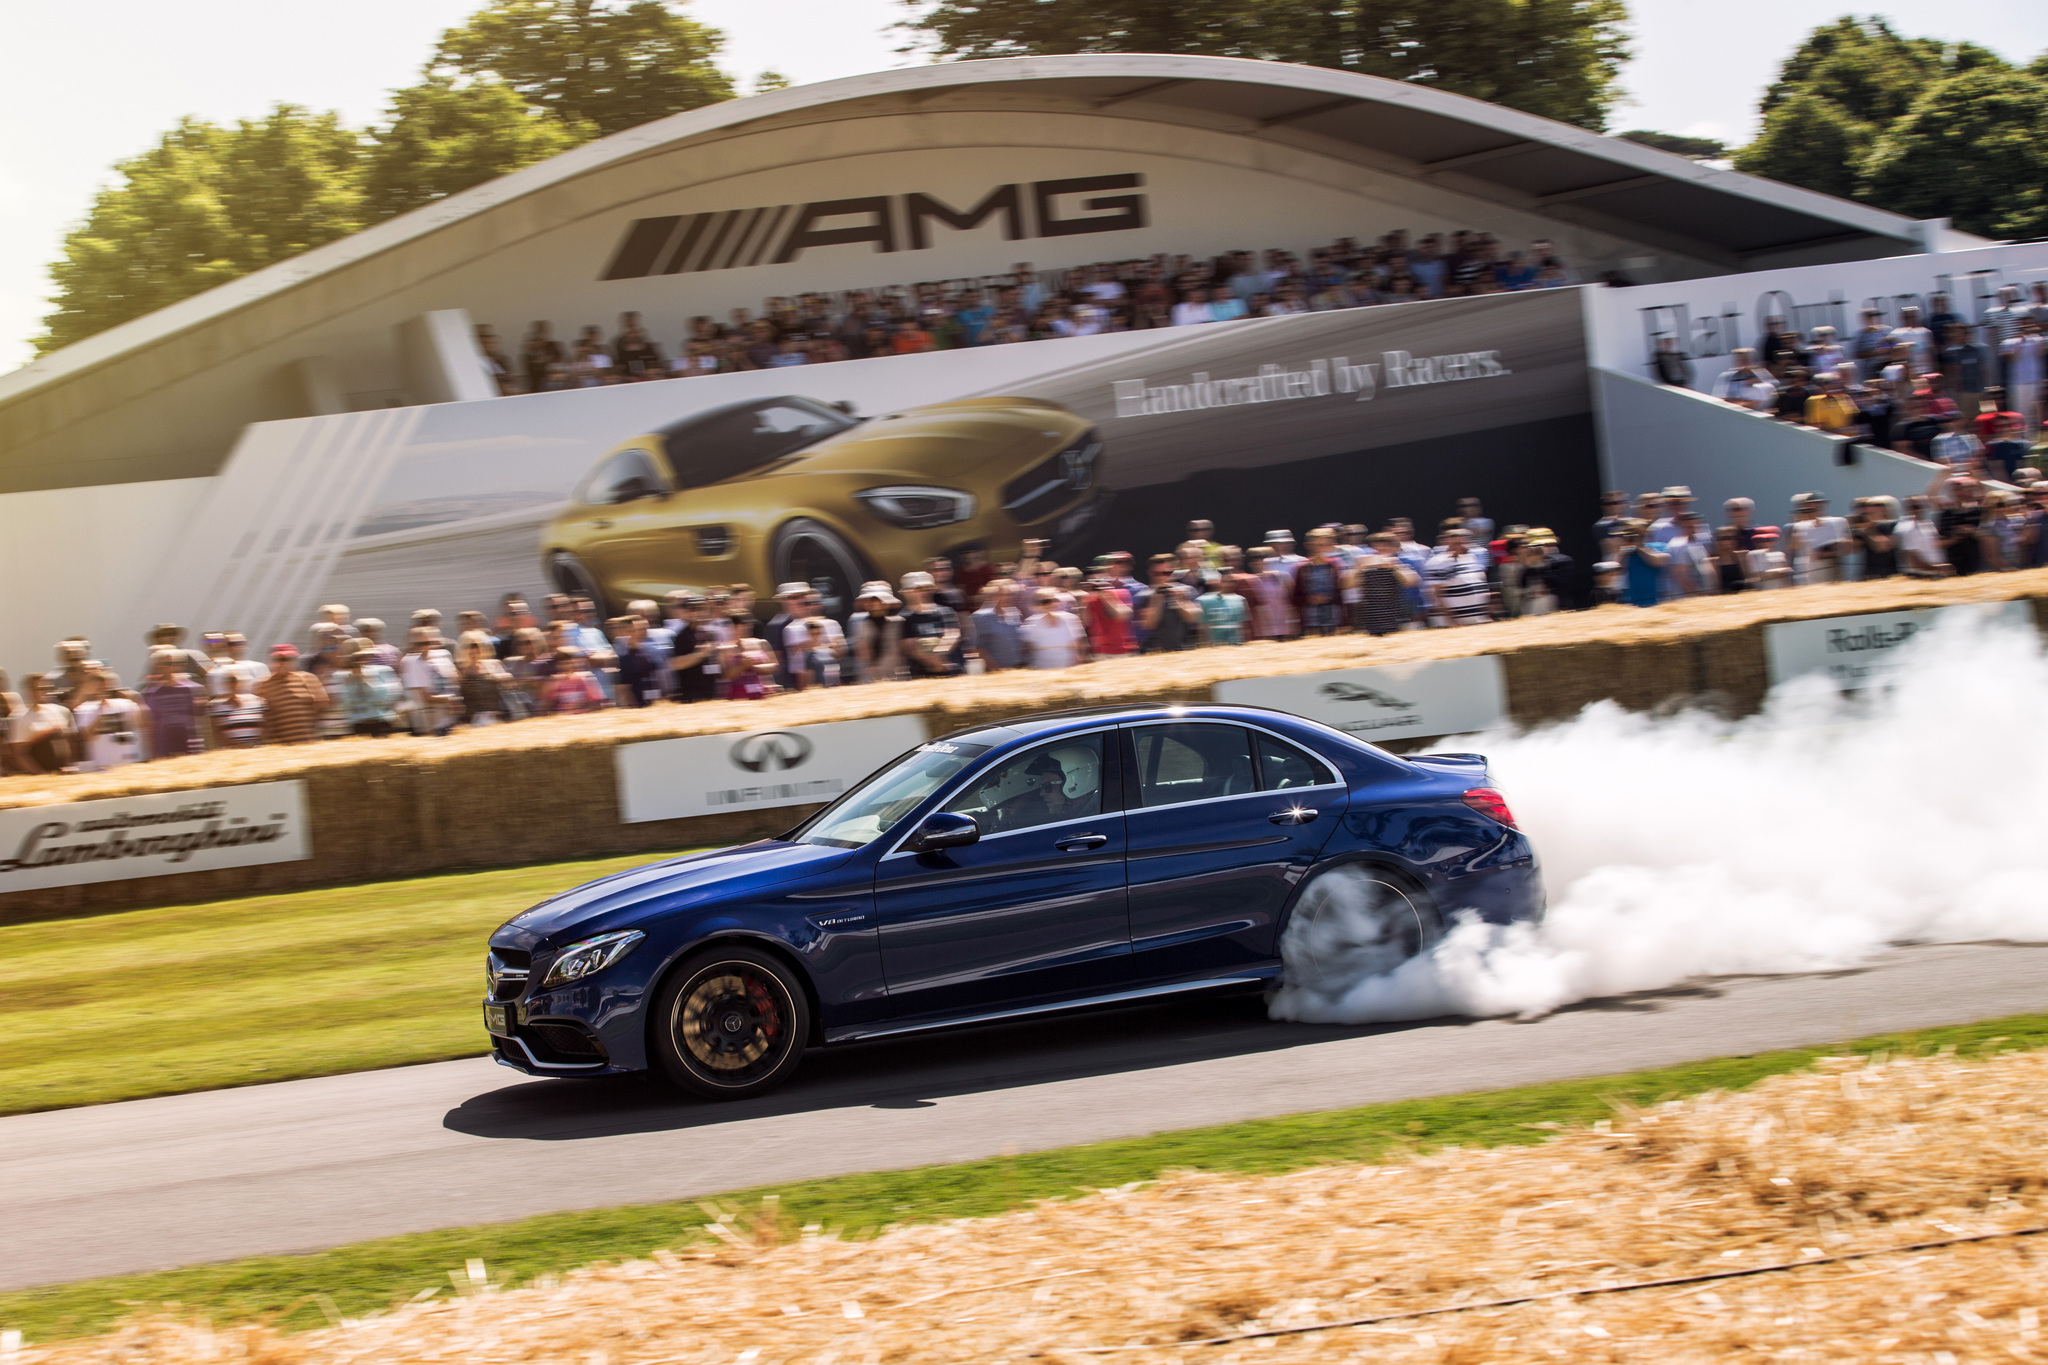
x=1355, y=921
x=572, y=576
x=807, y=551
x=731, y=1022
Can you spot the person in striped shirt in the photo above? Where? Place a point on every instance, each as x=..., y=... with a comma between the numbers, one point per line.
x=1456, y=577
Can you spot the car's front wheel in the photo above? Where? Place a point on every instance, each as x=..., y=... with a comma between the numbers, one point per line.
x=730, y=1022
x=573, y=577
x=1354, y=921
x=808, y=551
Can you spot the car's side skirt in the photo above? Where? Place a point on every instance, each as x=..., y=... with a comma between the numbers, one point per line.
x=864, y=1031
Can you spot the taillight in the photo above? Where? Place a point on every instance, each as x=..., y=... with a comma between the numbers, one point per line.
x=1491, y=804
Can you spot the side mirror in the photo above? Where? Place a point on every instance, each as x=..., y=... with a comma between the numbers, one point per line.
x=944, y=829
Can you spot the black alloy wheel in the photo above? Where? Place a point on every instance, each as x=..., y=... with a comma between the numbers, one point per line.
x=807, y=551
x=1355, y=921
x=730, y=1022
x=572, y=576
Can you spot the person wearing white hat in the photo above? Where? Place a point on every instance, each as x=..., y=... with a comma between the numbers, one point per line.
x=875, y=635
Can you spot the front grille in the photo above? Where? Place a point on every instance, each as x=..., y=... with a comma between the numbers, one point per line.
x=1050, y=485
x=506, y=973
x=564, y=1043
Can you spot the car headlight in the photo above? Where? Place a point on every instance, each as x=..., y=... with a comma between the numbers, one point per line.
x=915, y=507
x=591, y=956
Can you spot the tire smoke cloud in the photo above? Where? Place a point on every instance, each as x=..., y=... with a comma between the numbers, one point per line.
x=1810, y=837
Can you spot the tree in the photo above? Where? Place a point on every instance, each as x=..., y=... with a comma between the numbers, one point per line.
x=1557, y=58
x=1699, y=148
x=1919, y=127
x=1973, y=149
x=1810, y=142
x=204, y=206
x=1869, y=72
x=444, y=136
x=586, y=61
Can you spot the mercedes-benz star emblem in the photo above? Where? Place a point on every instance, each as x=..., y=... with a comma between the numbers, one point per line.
x=769, y=751
x=1078, y=464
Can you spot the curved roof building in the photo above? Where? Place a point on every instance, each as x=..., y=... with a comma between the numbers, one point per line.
x=928, y=173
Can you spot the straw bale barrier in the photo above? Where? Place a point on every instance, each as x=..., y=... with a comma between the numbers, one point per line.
x=1857, y=1159
x=547, y=788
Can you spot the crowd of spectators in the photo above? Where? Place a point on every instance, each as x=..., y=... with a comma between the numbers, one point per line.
x=947, y=619
x=1027, y=305
x=1936, y=385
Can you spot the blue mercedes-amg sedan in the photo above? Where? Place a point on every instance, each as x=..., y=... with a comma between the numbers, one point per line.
x=1055, y=862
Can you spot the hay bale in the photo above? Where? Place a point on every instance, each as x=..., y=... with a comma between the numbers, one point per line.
x=546, y=788
x=1857, y=1157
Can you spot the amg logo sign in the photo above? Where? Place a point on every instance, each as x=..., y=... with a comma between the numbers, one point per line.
x=727, y=238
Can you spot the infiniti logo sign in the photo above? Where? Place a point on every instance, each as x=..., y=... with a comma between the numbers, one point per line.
x=770, y=751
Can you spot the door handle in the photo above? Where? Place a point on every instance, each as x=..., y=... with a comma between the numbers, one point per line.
x=1293, y=815
x=1081, y=843
x=603, y=524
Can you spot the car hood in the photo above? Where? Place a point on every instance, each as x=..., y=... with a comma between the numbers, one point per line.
x=941, y=442
x=675, y=882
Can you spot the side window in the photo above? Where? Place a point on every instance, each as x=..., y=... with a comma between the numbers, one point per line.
x=1042, y=786
x=1192, y=763
x=624, y=477
x=1284, y=767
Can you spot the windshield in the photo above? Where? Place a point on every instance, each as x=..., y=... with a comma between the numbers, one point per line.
x=873, y=808
x=725, y=445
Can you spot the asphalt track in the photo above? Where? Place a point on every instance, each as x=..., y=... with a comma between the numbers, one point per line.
x=303, y=1165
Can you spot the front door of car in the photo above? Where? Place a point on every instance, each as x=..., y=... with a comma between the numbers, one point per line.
x=630, y=517
x=1222, y=822
x=1034, y=910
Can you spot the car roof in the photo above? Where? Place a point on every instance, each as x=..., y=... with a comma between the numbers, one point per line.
x=1082, y=718
x=703, y=415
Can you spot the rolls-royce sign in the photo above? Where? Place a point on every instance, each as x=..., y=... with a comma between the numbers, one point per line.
x=725, y=239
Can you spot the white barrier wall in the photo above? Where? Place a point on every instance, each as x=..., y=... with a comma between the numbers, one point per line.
x=1653, y=436
x=77, y=562
x=1714, y=315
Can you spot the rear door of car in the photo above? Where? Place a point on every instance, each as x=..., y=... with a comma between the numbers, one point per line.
x=1222, y=821
x=1031, y=913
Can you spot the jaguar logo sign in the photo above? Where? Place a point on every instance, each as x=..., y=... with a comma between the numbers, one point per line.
x=724, y=239
x=1441, y=697
x=771, y=751
x=1350, y=691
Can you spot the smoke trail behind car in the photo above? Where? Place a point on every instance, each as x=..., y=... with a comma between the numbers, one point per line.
x=1809, y=837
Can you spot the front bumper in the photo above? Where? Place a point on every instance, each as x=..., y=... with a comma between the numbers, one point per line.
x=582, y=1030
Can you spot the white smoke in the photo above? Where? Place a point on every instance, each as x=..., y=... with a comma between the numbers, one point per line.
x=1809, y=837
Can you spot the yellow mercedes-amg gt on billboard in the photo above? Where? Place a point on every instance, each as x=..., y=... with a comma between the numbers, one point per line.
x=778, y=490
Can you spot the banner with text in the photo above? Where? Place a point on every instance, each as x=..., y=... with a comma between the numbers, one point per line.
x=669, y=779
x=1393, y=701
x=148, y=836
x=1862, y=651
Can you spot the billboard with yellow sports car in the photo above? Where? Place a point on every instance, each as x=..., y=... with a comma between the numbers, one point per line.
x=792, y=489
x=832, y=474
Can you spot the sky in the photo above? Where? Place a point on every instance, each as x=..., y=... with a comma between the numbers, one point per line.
x=83, y=86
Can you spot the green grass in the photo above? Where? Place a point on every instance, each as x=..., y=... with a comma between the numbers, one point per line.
x=372, y=1275
x=260, y=988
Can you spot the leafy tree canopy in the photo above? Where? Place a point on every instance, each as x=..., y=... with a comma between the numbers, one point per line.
x=1920, y=127
x=204, y=206
x=444, y=137
x=1704, y=148
x=1973, y=149
x=1557, y=58
x=582, y=61
x=519, y=82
